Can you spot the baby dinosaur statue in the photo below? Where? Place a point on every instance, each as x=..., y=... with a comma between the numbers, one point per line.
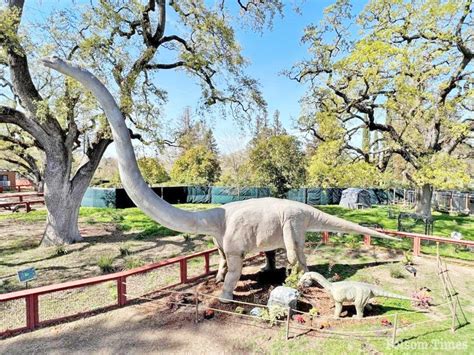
x=348, y=291
x=238, y=228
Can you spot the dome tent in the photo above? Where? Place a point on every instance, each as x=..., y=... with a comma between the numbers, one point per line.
x=354, y=198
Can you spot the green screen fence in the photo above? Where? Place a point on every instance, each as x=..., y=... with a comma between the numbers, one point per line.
x=118, y=198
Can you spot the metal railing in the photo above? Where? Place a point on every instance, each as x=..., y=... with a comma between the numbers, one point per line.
x=31, y=296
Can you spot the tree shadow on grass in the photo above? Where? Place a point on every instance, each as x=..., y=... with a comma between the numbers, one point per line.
x=344, y=270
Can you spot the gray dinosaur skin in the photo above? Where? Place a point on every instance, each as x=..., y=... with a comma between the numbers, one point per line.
x=359, y=293
x=238, y=228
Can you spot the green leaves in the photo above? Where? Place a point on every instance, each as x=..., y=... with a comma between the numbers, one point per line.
x=405, y=75
x=197, y=166
x=277, y=162
x=444, y=172
x=152, y=170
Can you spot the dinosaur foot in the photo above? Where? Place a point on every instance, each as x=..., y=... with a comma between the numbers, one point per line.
x=226, y=297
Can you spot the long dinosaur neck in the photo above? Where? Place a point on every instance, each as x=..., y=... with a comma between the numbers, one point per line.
x=324, y=282
x=204, y=222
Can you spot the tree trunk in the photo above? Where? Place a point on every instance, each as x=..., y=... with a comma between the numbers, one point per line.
x=62, y=219
x=423, y=200
x=39, y=186
x=63, y=197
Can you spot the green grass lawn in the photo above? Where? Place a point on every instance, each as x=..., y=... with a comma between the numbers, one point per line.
x=132, y=219
x=147, y=241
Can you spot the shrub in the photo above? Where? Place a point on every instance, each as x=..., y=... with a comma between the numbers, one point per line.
x=273, y=313
x=313, y=312
x=124, y=249
x=422, y=299
x=61, y=250
x=132, y=263
x=105, y=264
x=352, y=242
x=396, y=272
x=293, y=278
x=408, y=258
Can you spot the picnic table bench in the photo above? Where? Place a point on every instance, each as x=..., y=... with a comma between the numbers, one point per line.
x=14, y=206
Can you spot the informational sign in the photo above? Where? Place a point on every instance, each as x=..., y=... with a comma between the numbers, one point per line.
x=27, y=275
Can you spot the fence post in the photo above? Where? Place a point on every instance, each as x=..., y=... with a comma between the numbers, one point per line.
x=394, y=333
x=325, y=237
x=288, y=323
x=416, y=246
x=121, y=291
x=367, y=240
x=453, y=319
x=183, y=270
x=206, y=263
x=32, y=315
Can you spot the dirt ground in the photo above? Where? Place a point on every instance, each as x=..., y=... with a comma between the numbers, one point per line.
x=157, y=327
x=18, y=250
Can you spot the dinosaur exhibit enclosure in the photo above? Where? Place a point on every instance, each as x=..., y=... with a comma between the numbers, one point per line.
x=389, y=319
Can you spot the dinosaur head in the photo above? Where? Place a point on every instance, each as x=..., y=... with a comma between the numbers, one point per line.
x=309, y=278
x=54, y=62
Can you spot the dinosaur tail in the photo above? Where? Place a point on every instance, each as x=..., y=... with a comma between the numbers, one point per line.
x=382, y=293
x=326, y=222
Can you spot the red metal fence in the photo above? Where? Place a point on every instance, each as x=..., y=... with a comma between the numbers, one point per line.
x=417, y=238
x=31, y=296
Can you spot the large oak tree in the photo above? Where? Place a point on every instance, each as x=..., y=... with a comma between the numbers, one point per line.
x=403, y=69
x=126, y=43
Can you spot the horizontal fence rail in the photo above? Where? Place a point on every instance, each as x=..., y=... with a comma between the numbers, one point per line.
x=31, y=297
x=417, y=238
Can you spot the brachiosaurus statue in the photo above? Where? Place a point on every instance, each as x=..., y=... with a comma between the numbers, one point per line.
x=238, y=228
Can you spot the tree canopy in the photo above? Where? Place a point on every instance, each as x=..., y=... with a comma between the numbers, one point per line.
x=196, y=166
x=407, y=75
x=125, y=43
x=277, y=162
x=152, y=170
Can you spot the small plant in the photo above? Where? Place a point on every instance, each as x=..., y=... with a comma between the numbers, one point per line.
x=313, y=312
x=208, y=314
x=352, y=242
x=187, y=237
x=396, y=273
x=422, y=299
x=273, y=313
x=408, y=258
x=105, y=264
x=239, y=310
x=299, y=319
x=293, y=278
x=132, y=263
x=61, y=250
x=124, y=249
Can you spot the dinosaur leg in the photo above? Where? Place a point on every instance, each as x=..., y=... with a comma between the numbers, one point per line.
x=359, y=310
x=294, y=245
x=301, y=257
x=338, y=310
x=222, y=270
x=234, y=264
x=270, y=265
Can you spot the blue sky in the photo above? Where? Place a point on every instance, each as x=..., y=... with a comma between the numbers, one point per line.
x=269, y=53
